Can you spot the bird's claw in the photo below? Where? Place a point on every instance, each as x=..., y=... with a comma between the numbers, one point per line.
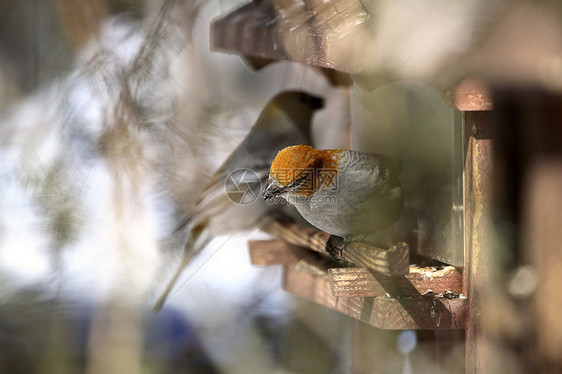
x=335, y=247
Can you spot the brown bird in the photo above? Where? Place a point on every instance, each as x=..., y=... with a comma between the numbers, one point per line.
x=231, y=201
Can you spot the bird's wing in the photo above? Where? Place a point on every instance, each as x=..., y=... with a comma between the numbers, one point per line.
x=368, y=171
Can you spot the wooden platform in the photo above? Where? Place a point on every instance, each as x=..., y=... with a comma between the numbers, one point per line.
x=425, y=298
x=515, y=45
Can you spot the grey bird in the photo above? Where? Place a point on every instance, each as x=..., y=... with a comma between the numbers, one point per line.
x=354, y=195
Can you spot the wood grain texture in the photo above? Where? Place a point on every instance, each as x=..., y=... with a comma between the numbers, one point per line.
x=527, y=267
x=275, y=252
x=543, y=217
x=392, y=261
x=382, y=312
x=359, y=281
x=478, y=236
x=299, y=235
x=309, y=32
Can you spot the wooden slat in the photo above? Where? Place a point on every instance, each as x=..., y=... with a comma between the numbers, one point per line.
x=307, y=277
x=543, y=215
x=298, y=235
x=279, y=252
x=312, y=33
x=392, y=261
x=381, y=312
x=478, y=236
x=308, y=32
x=275, y=252
x=359, y=281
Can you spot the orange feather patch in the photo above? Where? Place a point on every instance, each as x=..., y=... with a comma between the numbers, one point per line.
x=292, y=163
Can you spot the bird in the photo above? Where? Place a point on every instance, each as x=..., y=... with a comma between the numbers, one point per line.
x=350, y=194
x=231, y=201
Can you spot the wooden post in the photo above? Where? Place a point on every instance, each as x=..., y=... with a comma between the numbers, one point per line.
x=543, y=236
x=527, y=211
x=478, y=243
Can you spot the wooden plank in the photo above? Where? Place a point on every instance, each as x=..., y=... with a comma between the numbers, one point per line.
x=382, y=312
x=308, y=32
x=279, y=252
x=392, y=261
x=275, y=252
x=360, y=282
x=296, y=234
x=543, y=220
x=521, y=307
x=478, y=236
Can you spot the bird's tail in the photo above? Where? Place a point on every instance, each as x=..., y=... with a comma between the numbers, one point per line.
x=196, y=242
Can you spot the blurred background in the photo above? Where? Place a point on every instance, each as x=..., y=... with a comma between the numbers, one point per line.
x=91, y=195
x=114, y=114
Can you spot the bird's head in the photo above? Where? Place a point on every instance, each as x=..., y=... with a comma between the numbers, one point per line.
x=298, y=105
x=297, y=171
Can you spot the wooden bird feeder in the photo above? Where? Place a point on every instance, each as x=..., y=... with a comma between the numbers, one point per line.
x=390, y=288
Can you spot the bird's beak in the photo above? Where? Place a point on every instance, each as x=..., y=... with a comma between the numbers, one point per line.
x=272, y=189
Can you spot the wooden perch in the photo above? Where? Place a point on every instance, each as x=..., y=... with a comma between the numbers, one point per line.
x=358, y=281
x=311, y=283
x=308, y=275
x=392, y=261
x=279, y=252
x=275, y=252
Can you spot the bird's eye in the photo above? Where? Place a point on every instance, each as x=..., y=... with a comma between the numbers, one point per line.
x=303, y=99
x=294, y=184
x=297, y=182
